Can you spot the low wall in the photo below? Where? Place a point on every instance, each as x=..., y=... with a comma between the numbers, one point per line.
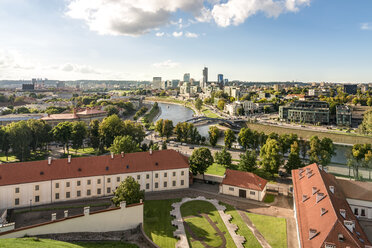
x=211, y=178
x=115, y=219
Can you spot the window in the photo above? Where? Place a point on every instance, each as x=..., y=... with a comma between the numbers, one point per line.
x=78, y=193
x=165, y=174
x=36, y=187
x=231, y=188
x=174, y=173
x=118, y=179
x=89, y=182
x=108, y=180
x=37, y=198
x=57, y=196
x=138, y=177
x=16, y=201
x=78, y=183
x=88, y=192
x=67, y=195
x=252, y=193
x=108, y=190
x=174, y=183
x=156, y=175
x=156, y=185
x=98, y=181
x=356, y=211
x=165, y=184
x=98, y=191
x=363, y=212
x=182, y=182
x=67, y=184
x=182, y=173
x=57, y=185
x=147, y=176
x=17, y=190
x=147, y=186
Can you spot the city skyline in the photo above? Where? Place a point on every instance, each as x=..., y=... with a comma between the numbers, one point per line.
x=283, y=40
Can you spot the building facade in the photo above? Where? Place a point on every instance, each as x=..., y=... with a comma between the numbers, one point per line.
x=343, y=115
x=305, y=112
x=44, y=182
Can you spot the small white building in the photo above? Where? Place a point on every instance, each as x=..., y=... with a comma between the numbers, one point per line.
x=243, y=184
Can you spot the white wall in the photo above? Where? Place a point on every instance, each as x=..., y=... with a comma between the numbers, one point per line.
x=360, y=204
x=119, y=219
x=233, y=190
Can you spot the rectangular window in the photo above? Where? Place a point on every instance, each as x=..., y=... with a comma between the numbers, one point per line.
x=36, y=187
x=147, y=176
x=78, y=193
x=356, y=211
x=98, y=181
x=138, y=177
x=88, y=192
x=89, y=182
x=174, y=173
x=363, y=212
x=182, y=173
x=174, y=183
x=165, y=184
x=57, y=185
x=98, y=191
x=231, y=188
x=37, y=198
x=147, y=186
x=156, y=185
x=108, y=180
x=253, y=193
x=118, y=179
x=108, y=190
x=67, y=195
x=17, y=190
x=16, y=201
x=165, y=174
x=78, y=183
x=156, y=175
x=182, y=182
x=67, y=184
x=57, y=196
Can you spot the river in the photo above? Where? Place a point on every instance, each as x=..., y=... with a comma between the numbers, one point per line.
x=178, y=113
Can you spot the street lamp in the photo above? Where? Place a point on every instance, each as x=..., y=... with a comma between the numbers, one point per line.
x=30, y=203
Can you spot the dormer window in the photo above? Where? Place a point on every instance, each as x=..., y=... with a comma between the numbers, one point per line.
x=312, y=233
x=304, y=198
x=343, y=213
x=323, y=211
x=332, y=189
x=314, y=190
x=341, y=237
x=319, y=197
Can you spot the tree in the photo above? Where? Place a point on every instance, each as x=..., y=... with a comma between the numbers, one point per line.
x=198, y=104
x=286, y=140
x=248, y=161
x=129, y=191
x=327, y=151
x=223, y=158
x=62, y=133
x=168, y=128
x=229, y=138
x=200, y=160
x=314, y=150
x=164, y=146
x=39, y=132
x=360, y=157
x=124, y=144
x=4, y=140
x=159, y=127
x=214, y=133
x=270, y=155
x=366, y=126
x=109, y=128
x=20, y=139
x=294, y=160
x=245, y=137
x=134, y=129
x=221, y=104
x=304, y=147
x=112, y=110
x=187, y=132
x=78, y=134
x=94, y=137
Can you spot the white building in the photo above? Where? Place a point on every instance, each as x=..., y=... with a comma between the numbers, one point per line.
x=44, y=182
x=232, y=91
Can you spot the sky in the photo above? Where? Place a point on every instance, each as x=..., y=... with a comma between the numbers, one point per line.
x=248, y=40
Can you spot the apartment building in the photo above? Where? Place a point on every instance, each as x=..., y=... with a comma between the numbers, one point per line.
x=44, y=182
x=305, y=112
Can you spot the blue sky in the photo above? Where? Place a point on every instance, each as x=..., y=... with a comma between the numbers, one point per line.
x=252, y=40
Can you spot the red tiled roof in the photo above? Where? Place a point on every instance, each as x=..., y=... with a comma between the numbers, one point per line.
x=35, y=171
x=244, y=179
x=323, y=216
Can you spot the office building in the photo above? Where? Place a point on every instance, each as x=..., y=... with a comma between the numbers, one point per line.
x=350, y=89
x=186, y=77
x=156, y=82
x=313, y=112
x=205, y=77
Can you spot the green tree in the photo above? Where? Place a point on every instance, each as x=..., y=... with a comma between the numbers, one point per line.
x=129, y=191
x=200, y=160
x=164, y=146
x=286, y=140
x=78, y=134
x=327, y=151
x=315, y=149
x=304, y=147
x=214, y=134
x=223, y=158
x=4, y=140
x=270, y=155
x=112, y=110
x=245, y=137
x=133, y=129
x=366, y=126
x=62, y=133
x=229, y=138
x=20, y=137
x=221, y=104
x=40, y=133
x=109, y=128
x=198, y=104
x=168, y=128
x=360, y=157
x=159, y=127
x=94, y=137
x=248, y=161
x=124, y=144
x=294, y=161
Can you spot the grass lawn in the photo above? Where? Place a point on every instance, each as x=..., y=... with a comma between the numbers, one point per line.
x=201, y=227
x=269, y=198
x=157, y=222
x=11, y=158
x=86, y=150
x=216, y=169
x=210, y=114
x=273, y=229
x=48, y=243
x=243, y=230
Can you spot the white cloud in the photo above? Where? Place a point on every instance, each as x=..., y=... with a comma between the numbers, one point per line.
x=160, y=34
x=177, y=34
x=191, y=35
x=366, y=26
x=85, y=69
x=166, y=64
x=11, y=59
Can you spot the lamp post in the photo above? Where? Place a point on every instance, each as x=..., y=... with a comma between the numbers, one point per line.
x=30, y=203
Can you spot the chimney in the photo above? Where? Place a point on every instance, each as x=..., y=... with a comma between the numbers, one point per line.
x=112, y=155
x=343, y=213
x=150, y=151
x=69, y=159
x=49, y=160
x=122, y=154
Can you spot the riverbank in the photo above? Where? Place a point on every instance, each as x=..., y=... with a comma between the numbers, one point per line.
x=172, y=101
